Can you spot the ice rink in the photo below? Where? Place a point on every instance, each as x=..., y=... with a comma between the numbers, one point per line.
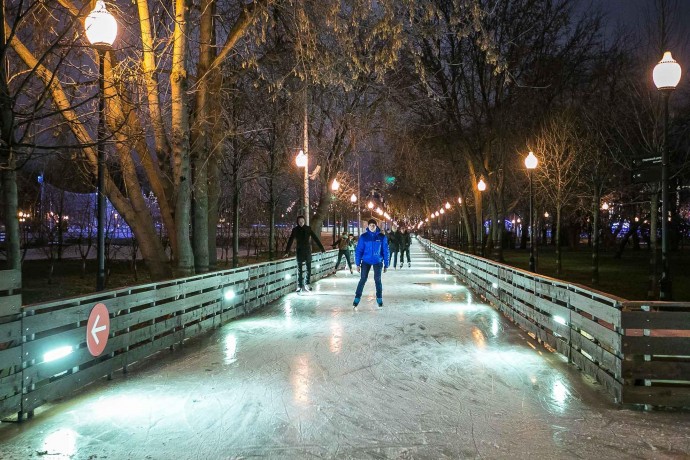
x=433, y=374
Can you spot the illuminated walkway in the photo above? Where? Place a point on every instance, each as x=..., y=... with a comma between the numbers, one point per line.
x=433, y=374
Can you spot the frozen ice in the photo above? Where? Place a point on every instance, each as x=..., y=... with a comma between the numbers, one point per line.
x=434, y=374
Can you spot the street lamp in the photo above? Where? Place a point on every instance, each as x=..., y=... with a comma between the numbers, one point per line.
x=302, y=161
x=481, y=186
x=666, y=77
x=101, y=30
x=531, y=164
x=335, y=186
x=353, y=200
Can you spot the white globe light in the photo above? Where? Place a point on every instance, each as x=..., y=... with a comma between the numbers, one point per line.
x=531, y=161
x=481, y=186
x=666, y=73
x=335, y=185
x=353, y=198
x=100, y=26
x=301, y=159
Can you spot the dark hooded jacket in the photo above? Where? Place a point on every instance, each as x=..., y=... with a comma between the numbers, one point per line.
x=302, y=235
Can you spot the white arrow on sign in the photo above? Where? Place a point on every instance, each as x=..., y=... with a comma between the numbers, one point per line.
x=95, y=329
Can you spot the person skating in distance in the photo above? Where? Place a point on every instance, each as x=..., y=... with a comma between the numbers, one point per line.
x=303, y=234
x=405, y=242
x=343, y=245
x=371, y=251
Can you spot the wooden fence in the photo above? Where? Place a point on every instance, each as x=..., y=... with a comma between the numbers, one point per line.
x=46, y=354
x=639, y=351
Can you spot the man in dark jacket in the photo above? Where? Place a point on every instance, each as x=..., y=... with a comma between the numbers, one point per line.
x=371, y=251
x=394, y=239
x=303, y=234
x=405, y=242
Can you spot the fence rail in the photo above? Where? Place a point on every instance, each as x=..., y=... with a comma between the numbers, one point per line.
x=639, y=351
x=45, y=354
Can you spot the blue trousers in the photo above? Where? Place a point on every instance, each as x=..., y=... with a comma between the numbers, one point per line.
x=363, y=279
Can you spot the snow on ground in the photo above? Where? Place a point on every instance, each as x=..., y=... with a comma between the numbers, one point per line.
x=433, y=374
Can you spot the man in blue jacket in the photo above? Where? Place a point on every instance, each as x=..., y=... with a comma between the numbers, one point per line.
x=371, y=251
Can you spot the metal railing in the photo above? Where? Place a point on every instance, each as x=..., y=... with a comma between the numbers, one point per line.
x=46, y=356
x=639, y=351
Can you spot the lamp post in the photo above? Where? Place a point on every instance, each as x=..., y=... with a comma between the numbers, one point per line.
x=101, y=29
x=447, y=206
x=302, y=161
x=666, y=77
x=353, y=200
x=481, y=186
x=531, y=163
x=335, y=186
x=460, y=234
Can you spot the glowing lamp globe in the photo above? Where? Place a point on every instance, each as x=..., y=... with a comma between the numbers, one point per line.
x=353, y=198
x=301, y=160
x=666, y=73
x=100, y=27
x=531, y=161
x=447, y=205
x=335, y=186
x=481, y=186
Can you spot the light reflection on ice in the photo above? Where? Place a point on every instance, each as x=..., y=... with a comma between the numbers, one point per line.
x=299, y=378
x=494, y=325
x=559, y=394
x=230, y=349
x=478, y=337
x=287, y=308
x=336, y=339
x=60, y=444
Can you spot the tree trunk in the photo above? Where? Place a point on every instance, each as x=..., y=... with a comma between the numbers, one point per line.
x=559, y=262
x=8, y=176
x=213, y=197
x=235, y=220
x=271, y=216
x=595, y=238
x=180, y=141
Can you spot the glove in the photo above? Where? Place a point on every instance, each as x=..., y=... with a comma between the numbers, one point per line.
x=358, y=269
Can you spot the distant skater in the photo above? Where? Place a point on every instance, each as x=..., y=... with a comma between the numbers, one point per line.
x=343, y=244
x=303, y=234
x=371, y=251
x=405, y=242
x=394, y=239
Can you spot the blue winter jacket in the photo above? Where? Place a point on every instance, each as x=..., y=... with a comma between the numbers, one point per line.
x=372, y=248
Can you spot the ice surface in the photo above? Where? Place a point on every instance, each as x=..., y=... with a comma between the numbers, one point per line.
x=434, y=374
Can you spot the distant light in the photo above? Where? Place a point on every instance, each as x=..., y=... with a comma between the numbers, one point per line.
x=442, y=211
x=531, y=161
x=57, y=353
x=229, y=295
x=370, y=205
x=353, y=198
x=469, y=270
x=288, y=276
x=447, y=205
x=605, y=206
x=335, y=186
x=481, y=186
x=460, y=200
x=301, y=159
x=494, y=285
x=318, y=265
x=559, y=320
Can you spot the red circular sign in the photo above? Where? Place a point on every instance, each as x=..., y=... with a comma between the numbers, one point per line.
x=98, y=329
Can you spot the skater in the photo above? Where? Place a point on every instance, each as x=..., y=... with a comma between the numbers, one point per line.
x=372, y=251
x=405, y=241
x=394, y=239
x=303, y=233
x=343, y=243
